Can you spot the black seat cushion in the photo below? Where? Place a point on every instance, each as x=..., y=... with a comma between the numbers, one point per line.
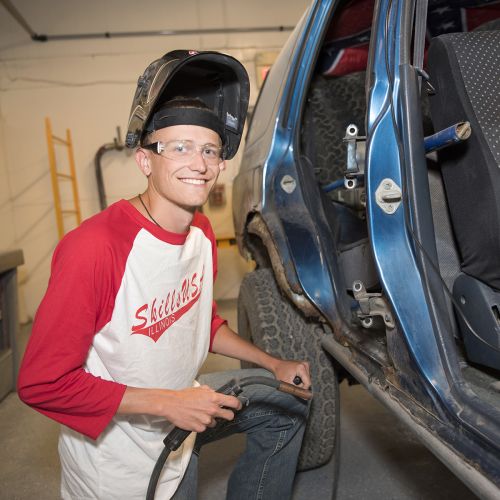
x=465, y=71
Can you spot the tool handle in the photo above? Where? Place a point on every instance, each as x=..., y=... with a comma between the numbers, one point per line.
x=175, y=438
x=294, y=390
x=177, y=435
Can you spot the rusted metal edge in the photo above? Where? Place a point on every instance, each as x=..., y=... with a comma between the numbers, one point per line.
x=258, y=227
x=473, y=478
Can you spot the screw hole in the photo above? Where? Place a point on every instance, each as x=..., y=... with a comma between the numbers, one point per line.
x=367, y=322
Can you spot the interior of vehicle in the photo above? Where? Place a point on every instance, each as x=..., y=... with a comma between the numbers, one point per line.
x=462, y=54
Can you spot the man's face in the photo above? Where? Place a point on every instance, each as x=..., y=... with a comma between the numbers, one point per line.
x=185, y=183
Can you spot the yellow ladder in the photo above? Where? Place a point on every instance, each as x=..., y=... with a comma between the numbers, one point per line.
x=56, y=175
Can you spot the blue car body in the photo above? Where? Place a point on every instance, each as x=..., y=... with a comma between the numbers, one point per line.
x=423, y=384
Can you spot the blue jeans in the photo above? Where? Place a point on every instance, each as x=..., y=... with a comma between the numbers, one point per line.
x=274, y=423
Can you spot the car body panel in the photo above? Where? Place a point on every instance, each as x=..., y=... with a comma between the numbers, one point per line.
x=274, y=182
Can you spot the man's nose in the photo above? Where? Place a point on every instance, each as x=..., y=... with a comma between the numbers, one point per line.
x=198, y=164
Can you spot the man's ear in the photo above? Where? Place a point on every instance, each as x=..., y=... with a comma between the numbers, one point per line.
x=142, y=160
x=222, y=165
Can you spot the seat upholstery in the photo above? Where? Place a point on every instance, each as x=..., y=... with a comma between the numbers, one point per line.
x=465, y=71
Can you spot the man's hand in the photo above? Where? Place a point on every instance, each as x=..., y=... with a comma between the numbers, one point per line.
x=192, y=409
x=288, y=370
x=196, y=408
x=229, y=343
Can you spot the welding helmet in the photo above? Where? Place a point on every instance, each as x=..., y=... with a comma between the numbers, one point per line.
x=219, y=80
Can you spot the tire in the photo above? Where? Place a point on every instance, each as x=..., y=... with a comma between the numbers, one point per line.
x=332, y=104
x=271, y=322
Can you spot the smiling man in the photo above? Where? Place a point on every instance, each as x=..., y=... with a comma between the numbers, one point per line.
x=181, y=161
x=128, y=317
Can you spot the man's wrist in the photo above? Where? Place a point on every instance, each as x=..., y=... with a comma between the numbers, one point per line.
x=269, y=362
x=144, y=401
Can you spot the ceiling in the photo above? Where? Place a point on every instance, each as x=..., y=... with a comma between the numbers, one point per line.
x=56, y=17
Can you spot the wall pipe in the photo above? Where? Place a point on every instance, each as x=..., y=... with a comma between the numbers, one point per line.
x=131, y=34
x=116, y=145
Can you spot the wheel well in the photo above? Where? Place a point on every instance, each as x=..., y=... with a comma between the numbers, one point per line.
x=257, y=250
x=259, y=243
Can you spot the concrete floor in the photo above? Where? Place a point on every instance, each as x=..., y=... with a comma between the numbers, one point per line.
x=379, y=458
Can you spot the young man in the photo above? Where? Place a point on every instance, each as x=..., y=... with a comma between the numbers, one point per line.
x=128, y=316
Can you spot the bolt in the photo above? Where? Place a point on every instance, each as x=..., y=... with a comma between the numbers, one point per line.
x=387, y=185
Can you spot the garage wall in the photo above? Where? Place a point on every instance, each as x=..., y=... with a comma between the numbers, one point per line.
x=87, y=86
x=8, y=237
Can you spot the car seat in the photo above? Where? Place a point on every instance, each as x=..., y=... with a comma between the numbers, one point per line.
x=465, y=72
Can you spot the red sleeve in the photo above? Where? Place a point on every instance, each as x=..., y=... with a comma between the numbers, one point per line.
x=76, y=305
x=217, y=322
x=204, y=224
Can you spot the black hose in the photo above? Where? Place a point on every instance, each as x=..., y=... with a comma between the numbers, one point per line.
x=156, y=472
x=234, y=387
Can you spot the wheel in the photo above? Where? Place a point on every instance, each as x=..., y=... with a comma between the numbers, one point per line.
x=270, y=321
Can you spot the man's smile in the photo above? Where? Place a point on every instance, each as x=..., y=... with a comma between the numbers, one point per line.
x=189, y=180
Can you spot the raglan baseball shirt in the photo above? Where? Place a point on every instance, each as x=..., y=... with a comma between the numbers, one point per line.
x=128, y=304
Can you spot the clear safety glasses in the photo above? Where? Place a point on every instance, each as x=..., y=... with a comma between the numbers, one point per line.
x=182, y=150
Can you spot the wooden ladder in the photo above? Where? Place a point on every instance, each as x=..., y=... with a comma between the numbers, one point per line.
x=57, y=175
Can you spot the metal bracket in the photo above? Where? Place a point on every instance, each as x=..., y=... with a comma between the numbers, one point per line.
x=355, y=156
x=388, y=196
x=371, y=304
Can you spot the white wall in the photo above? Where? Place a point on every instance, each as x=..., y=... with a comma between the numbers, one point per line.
x=87, y=86
x=8, y=237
